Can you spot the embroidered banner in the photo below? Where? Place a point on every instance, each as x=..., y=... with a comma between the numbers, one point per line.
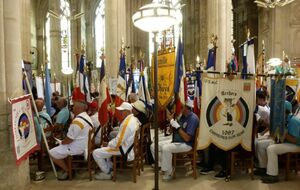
x=226, y=113
x=277, y=114
x=165, y=76
x=23, y=130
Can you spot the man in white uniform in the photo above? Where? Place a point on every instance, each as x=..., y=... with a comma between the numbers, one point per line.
x=93, y=113
x=124, y=139
x=75, y=142
x=268, y=151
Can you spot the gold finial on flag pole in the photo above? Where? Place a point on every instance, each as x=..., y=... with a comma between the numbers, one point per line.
x=248, y=33
x=82, y=48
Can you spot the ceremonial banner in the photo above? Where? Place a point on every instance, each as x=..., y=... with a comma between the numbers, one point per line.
x=23, y=130
x=165, y=76
x=226, y=113
x=277, y=114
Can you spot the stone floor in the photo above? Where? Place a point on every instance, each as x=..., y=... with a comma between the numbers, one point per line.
x=146, y=182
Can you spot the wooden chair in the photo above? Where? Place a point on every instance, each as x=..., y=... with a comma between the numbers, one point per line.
x=144, y=140
x=134, y=162
x=190, y=156
x=292, y=157
x=75, y=162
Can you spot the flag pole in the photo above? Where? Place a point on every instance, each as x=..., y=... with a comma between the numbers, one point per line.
x=42, y=75
x=156, y=178
x=54, y=82
x=39, y=120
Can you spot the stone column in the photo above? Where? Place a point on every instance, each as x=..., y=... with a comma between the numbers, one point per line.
x=115, y=30
x=25, y=30
x=55, y=41
x=137, y=40
x=219, y=15
x=13, y=177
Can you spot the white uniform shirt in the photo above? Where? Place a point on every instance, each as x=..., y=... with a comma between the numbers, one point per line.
x=79, y=130
x=125, y=137
x=96, y=124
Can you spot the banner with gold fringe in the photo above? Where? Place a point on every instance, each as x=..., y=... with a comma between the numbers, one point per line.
x=165, y=75
x=226, y=113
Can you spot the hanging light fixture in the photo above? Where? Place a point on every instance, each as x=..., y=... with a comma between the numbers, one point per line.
x=274, y=62
x=155, y=17
x=272, y=3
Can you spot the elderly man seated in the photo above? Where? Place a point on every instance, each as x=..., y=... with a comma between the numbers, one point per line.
x=45, y=120
x=268, y=151
x=182, y=140
x=75, y=142
x=124, y=140
x=64, y=114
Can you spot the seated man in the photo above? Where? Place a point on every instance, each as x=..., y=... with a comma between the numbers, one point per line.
x=268, y=151
x=64, y=114
x=45, y=120
x=123, y=140
x=183, y=139
x=140, y=112
x=93, y=113
x=75, y=142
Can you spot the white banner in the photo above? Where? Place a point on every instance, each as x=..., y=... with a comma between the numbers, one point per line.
x=40, y=88
x=226, y=113
x=23, y=129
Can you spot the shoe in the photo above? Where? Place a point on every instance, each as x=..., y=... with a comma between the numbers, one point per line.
x=62, y=176
x=103, y=176
x=206, y=171
x=221, y=175
x=168, y=176
x=270, y=179
x=260, y=171
x=39, y=177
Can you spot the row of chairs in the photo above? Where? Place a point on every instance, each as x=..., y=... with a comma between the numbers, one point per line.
x=139, y=147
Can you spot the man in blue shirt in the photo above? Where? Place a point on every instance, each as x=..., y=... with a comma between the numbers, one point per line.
x=64, y=114
x=44, y=118
x=269, y=155
x=183, y=138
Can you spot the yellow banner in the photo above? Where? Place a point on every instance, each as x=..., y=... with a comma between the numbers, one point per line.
x=292, y=82
x=165, y=77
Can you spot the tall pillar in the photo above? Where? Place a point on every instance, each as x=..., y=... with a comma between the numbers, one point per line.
x=13, y=177
x=219, y=15
x=115, y=31
x=55, y=41
x=25, y=30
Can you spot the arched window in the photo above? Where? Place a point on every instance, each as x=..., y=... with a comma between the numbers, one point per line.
x=99, y=31
x=65, y=34
x=171, y=35
x=48, y=47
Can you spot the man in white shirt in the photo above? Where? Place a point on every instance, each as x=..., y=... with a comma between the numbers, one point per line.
x=75, y=142
x=93, y=113
x=124, y=140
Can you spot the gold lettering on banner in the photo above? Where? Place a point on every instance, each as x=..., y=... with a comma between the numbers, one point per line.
x=165, y=76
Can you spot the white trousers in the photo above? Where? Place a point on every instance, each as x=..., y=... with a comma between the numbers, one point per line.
x=268, y=154
x=166, y=154
x=102, y=157
x=162, y=140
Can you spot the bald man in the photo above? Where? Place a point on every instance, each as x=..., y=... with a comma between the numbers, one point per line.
x=76, y=140
x=64, y=114
x=44, y=118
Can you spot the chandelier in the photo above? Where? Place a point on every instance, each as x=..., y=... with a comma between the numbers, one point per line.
x=156, y=16
x=272, y=3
